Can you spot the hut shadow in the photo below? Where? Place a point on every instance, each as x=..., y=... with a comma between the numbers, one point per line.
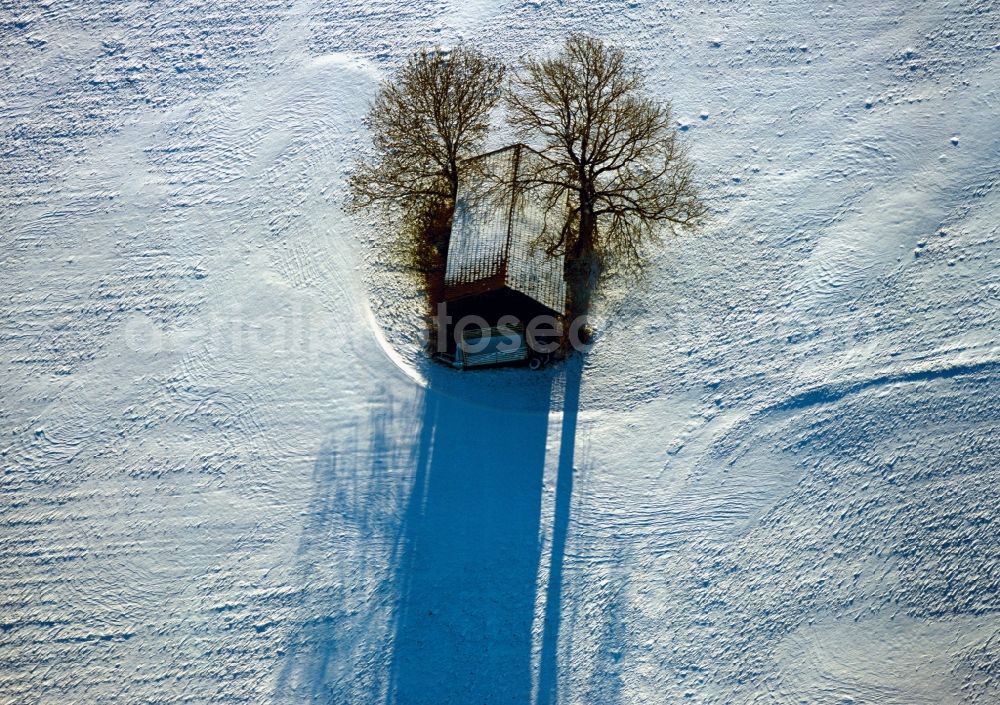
x=420, y=562
x=469, y=557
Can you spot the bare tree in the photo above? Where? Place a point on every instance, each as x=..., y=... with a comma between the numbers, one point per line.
x=609, y=145
x=434, y=113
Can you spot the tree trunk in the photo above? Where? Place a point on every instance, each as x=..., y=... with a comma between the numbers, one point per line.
x=581, y=266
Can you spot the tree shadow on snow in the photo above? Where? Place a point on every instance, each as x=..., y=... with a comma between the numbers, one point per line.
x=548, y=661
x=340, y=577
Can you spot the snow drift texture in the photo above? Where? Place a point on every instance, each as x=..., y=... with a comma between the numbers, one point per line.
x=227, y=475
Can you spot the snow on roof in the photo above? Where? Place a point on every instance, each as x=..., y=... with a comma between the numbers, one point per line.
x=496, y=232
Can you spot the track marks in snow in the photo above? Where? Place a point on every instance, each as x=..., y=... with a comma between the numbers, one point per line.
x=883, y=513
x=834, y=392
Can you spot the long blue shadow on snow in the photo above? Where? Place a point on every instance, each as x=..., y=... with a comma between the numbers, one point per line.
x=470, y=554
x=548, y=666
x=343, y=546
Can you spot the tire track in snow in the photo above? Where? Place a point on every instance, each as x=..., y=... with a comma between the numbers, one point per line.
x=744, y=425
x=830, y=393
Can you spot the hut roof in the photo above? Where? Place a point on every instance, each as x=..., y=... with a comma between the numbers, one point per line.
x=496, y=231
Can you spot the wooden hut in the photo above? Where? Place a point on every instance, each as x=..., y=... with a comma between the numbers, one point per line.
x=497, y=264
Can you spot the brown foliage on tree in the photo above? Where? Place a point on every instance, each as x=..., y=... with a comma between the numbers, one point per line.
x=614, y=150
x=434, y=113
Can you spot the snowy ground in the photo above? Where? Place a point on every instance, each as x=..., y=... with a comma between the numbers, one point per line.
x=774, y=480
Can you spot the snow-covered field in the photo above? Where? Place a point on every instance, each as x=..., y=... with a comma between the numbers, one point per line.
x=229, y=477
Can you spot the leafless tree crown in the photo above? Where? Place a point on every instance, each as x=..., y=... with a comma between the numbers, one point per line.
x=609, y=144
x=424, y=122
